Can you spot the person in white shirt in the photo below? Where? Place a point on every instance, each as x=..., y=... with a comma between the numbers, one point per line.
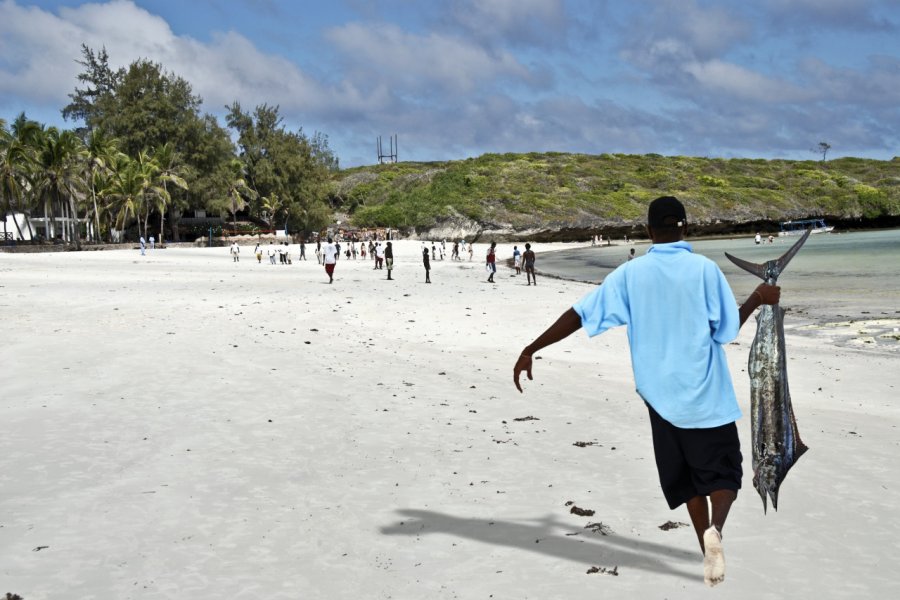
x=330, y=252
x=235, y=252
x=379, y=256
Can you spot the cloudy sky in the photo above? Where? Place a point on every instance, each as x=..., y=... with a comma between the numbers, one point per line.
x=457, y=78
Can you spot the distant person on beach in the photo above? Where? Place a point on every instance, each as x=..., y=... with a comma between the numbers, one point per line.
x=630, y=255
x=471, y=251
x=680, y=313
x=517, y=260
x=329, y=255
x=379, y=255
x=389, y=258
x=528, y=257
x=302, y=250
x=771, y=239
x=758, y=239
x=258, y=252
x=235, y=252
x=427, y=263
x=143, y=246
x=152, y=243
x=271, y=253
x=491, y=262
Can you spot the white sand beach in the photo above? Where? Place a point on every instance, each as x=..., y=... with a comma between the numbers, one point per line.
x=177, y=425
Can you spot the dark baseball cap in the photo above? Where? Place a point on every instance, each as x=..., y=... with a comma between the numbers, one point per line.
x=666, y=211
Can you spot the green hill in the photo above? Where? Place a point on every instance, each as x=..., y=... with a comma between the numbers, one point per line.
x=565, y=196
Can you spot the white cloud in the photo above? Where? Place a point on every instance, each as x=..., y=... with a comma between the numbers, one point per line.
x=468, y=76
x=702, y=30
x=721, y=77
x=40, y=51
x=419, y=63
x=876, y=86
x=538, y=22
x=840, y=14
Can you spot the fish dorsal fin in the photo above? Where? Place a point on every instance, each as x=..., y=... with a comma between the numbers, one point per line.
x=770, y=270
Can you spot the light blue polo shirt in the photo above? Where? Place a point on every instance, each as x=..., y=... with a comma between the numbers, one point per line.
x=679, y=311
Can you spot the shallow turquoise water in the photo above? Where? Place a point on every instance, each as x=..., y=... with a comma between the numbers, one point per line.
x=834, y=276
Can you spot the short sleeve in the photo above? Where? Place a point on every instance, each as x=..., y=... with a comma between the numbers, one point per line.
x=606, y=306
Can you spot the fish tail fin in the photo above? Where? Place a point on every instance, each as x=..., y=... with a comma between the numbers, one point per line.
x=773, y=268
x=785, y=258
x=755, y=269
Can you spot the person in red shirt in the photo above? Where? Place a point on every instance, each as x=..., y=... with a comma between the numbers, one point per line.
x=492, y=262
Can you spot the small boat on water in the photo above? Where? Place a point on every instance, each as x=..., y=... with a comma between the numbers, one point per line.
x=799, y=227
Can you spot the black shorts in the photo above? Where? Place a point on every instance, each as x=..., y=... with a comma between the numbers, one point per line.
x=695, y=462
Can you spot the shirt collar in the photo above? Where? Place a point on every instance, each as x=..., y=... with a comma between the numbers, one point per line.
x=671, y=248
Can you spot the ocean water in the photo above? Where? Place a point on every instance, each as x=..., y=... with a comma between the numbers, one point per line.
x=834, y=276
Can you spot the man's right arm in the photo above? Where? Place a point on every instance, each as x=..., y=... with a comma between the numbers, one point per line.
x=567, y=324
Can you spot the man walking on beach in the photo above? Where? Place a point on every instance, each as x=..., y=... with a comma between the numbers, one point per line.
x=330, y=255
x=427, y=263
x=529, y=259
x=680, y=312
x=235, y=252
x=143, y=246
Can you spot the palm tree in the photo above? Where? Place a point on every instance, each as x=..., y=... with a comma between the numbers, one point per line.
x=14, y=159
x=124, y=190
x=168, y=162
x=150, y=172
x=238, y=189
x=271, y=205
x=97, y=154
x=58, y=179
x=25, y=140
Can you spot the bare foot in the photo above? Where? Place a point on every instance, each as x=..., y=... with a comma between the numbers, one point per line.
x=713, y=558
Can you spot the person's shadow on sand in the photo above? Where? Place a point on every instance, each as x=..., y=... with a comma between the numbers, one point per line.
x=542, y=535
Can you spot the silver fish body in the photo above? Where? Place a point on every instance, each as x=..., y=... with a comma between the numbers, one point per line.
x=775, y=439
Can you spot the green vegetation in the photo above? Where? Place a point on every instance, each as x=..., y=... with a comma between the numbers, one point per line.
x=143, y=150
x=546, y=190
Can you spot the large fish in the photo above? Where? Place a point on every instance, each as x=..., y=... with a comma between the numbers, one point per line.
x=776, y=441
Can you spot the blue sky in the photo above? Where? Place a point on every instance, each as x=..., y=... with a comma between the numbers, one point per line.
x=454, y=79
